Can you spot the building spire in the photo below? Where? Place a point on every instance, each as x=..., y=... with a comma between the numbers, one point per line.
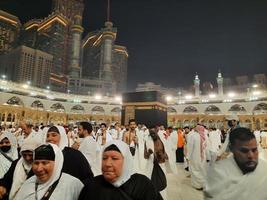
x=220, y=83
x=108, y=11
x=196, y=85
x=196, y=76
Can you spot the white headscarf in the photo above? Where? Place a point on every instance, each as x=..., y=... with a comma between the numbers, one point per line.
x=20, y=175
x=127, y=170
x=12, y=153
x=28, y=188
x=63, y=136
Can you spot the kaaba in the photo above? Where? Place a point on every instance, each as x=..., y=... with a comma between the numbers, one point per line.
x=148, y=107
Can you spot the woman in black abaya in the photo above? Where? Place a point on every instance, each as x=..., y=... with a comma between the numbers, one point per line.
x=118, y=182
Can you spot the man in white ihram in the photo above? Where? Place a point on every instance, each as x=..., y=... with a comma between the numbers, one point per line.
x=242, y=175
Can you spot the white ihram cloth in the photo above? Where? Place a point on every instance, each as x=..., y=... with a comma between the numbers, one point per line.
x=166, y=167
x=68, y=187
x=197, y=162
x=90, y=150
x=32, y=135
x=226, y=181
x=99, y=137
x=140, y=161
x=257, y=134
x=264, y=139
x=22, y=166
x=215, y=140
x=12, y=153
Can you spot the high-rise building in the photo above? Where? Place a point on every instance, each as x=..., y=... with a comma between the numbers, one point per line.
x=49, y=35
x=260, y=80
x=119, y=67
x=9, y=32
x=220, y=84
x=25, y=64
x=104, y=59
x=59, y=34
x=242, y=80
x=73, y=11
x=68, y=8
x=196, y=86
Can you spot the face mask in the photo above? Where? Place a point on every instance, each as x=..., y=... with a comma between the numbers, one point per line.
x=5, y=148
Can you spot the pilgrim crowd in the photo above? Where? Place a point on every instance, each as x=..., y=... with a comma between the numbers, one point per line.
x=115, y=162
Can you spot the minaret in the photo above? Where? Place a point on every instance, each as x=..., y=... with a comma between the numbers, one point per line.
x=220, y=84
x=76, y=31
x=109, y=35
x=196, y=85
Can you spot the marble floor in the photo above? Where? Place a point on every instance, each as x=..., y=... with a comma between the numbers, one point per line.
x=179, y=185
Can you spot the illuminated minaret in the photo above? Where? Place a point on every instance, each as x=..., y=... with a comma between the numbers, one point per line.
x=220, y=84
x=76, y=31
x=109, y=36
x=196, y=85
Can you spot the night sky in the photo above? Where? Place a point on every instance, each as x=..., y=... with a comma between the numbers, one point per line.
x=170, y=40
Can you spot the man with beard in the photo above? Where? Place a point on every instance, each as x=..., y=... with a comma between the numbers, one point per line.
x=131, y=137
x=240, y=176
x=88, y=146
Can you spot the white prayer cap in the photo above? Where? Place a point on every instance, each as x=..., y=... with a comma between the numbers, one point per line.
x=232, y=117
x=30, y=144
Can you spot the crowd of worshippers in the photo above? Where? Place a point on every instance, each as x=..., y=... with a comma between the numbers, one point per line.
x=130, y=162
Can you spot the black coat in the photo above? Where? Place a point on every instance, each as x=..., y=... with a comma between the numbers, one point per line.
x=138, y=187
x=77, y=165
x=7, y=180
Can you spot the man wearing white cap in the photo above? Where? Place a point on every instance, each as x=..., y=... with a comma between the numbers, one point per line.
x=233, y=122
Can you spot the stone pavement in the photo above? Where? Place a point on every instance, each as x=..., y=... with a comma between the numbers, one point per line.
x=179, y=186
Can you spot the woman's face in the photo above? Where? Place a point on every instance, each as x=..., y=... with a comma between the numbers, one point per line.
x=53, y=137
x=112, y=164
x=43, y=169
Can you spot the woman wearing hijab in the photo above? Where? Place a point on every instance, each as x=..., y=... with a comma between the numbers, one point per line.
x=19, y=171
x=118, y=182
x=8, y=152
x=49, y=182
x=75, y=163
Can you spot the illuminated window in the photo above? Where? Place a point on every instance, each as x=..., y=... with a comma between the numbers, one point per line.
x=77, y=108
x=260, y=108
x=98, y=110
x=190, y=109
x=171, y=110
x=237, y=108
x=37, y=104
x=116, y=110
x=212, y=110
x=57, y=107
x=15, y=101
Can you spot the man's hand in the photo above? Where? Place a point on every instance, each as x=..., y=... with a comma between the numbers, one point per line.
x=76, y=145
x=2, y=192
